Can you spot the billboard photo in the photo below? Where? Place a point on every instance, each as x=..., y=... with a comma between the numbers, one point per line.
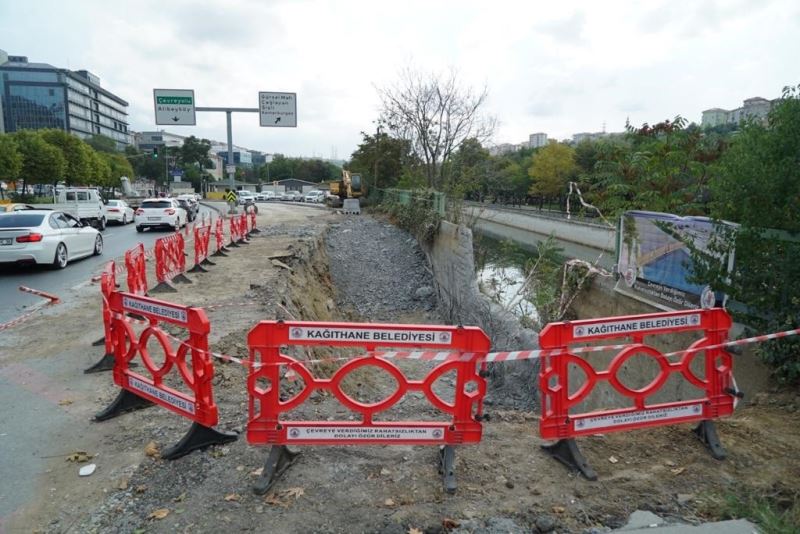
x=654, y=262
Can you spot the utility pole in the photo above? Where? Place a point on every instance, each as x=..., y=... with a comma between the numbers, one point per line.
x=166, y=165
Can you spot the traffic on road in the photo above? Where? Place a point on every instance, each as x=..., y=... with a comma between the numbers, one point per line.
x=52, y=251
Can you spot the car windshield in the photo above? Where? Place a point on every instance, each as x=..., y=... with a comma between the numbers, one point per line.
x=21, y=220
x=113, y=203
x=157, y=204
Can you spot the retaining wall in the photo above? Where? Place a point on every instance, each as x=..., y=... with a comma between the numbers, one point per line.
x=597, y=236
x=451, y=258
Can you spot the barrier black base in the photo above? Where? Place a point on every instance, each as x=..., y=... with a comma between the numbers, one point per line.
x=207, y=262
x=181, y=278
x=279, y=460
x=198, y=268
x=198, y=437
x=106, y=363
x=706, y=432
x=255, y=231
x=125, y=402
x=233, y=244
x=101, y=341
x=447, y=467
x=164, y=287
x=221, y=253
x=566, y=451
x=243, y=242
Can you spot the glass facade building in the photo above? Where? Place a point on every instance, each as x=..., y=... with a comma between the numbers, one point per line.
x=38, y=95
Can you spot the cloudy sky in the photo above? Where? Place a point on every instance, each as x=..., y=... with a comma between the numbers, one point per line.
x=555, y=67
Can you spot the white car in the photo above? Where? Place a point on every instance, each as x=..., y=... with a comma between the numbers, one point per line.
x=46, y=237
x=159, y=212
x=265, y=196
x=119, y=211
x=314, y=196
x=245, y=196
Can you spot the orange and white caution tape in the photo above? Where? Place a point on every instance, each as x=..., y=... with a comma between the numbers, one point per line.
x=21, y=319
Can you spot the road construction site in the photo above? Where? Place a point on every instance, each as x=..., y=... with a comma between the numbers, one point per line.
x=314, y=264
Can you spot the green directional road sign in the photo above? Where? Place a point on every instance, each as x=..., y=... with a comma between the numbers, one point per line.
x=231, y=196
x=174, y=107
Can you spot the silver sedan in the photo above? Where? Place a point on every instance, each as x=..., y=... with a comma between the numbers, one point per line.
x=46, y=237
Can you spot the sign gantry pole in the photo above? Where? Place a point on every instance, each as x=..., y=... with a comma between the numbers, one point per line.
x=177, y=107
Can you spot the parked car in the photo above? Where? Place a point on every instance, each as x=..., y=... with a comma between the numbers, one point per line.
x=160, y=212
x=119, y=211
x=189, y=208
x=315, y=196
x=46, y=237
x=265, y=196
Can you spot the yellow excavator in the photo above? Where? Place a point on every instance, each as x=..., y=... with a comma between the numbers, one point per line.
x=347, y=191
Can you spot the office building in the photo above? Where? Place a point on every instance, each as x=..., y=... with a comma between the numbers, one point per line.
x=39, y=95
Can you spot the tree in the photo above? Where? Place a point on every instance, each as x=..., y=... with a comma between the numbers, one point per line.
x=380, y=158
x=552, y=167
x=469, y=169
x=10, y=159
x=42, y=163
x=76, y=154
x=757, y=184
x=100, y=170
x=586, y=156
x=436, y=115
x=102, y=143
x=118, y=166
x=194, y=151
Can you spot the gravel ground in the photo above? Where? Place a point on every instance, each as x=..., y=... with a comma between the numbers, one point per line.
x=378, y=270
x=334, y=268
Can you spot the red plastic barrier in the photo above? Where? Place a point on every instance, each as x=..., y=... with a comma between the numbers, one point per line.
x=716, y=400
x=202, y=236
x=108, y=284
x=235, y=233
x=265, y=425
x=170, y=257
x=253, y=220
x=219, y=235
x=189, y=358
x=243, y=231
x=198, y=404
x=137, y=270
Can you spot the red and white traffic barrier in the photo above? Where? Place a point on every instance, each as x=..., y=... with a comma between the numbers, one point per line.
x=53, y=299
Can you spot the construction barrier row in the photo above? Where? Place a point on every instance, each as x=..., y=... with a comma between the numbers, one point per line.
x=186, y=389
x=170, y=265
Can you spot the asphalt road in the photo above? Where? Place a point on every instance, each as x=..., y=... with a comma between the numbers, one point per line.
x=117, y=239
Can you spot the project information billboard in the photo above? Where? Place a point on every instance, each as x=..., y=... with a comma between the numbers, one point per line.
x=654, y=260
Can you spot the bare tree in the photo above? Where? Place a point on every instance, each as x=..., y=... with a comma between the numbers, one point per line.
x=437, y=115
